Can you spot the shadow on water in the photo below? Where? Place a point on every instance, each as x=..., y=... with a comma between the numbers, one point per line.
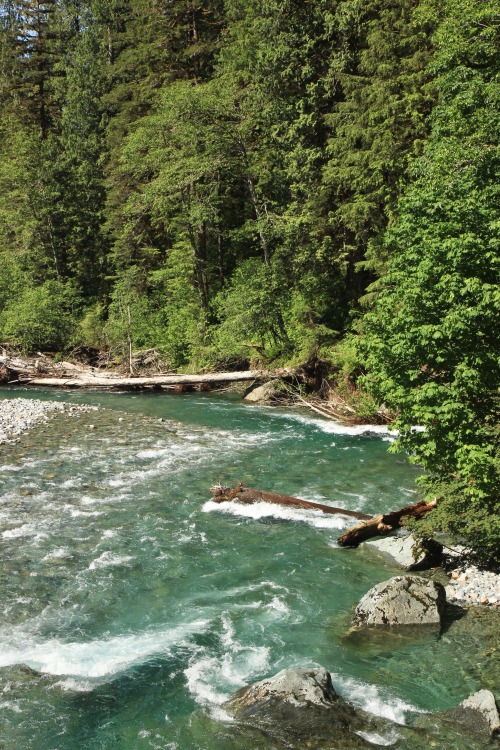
x=451, y=615
x=377, y=641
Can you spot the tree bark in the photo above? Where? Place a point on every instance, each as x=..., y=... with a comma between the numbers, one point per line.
x=248, y=496
x=384, y=523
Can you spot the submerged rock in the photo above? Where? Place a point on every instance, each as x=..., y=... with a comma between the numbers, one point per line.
x=406, y=551
x=298, y=706
x=402, y=600
x=478, y=712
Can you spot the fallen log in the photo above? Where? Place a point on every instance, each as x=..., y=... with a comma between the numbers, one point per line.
x=91, y=380
x=384, y=523
x=248, y=495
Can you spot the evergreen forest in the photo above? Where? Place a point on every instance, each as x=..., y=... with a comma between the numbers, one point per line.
x=268, y=182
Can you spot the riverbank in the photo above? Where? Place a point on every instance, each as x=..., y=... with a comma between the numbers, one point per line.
x=313, y=385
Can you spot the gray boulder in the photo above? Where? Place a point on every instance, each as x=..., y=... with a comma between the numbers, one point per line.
x=406, y=551
x=265, y=394
x=299, y=687
x=300, y=706
x=478, y=712
x=402, y=600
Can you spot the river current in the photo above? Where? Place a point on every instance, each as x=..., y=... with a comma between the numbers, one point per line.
x=132, y=606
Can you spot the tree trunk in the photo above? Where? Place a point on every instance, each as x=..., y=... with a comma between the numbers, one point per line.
x=384, y=523
x=248, y=496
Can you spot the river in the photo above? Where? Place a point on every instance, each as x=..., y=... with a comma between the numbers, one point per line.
x=132, y=606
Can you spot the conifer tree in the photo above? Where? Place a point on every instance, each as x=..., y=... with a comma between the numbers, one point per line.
x=378, y=124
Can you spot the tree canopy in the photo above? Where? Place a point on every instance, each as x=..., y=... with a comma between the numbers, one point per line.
x=255, y=181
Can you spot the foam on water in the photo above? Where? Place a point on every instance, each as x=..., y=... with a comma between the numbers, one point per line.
x=97, y=659
x=212, y=678
x=58, y=554
x=374, y=699
x=75, y=513
x=27, y=529
x=256, y=511
x=74, y=686
x=333, y=427
x=278, y=605
x=377, y=739
x=108, y=559
x=109, y=533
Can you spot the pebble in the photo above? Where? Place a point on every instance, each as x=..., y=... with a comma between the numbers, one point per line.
x=470, y=585
x=18, y=415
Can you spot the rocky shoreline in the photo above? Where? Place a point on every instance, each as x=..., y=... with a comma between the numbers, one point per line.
x=467, y=585
x=19, y=415
x=299, y=707
x=470, y=586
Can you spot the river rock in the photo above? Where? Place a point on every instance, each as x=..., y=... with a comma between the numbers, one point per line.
x=298, y=687
x=406, y=551
x=300, y=705
x=265, y=394
x=402, y=600
x=478, y=712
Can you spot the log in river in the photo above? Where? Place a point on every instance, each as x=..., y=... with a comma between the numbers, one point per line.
x=248, y=495
x=370, y=525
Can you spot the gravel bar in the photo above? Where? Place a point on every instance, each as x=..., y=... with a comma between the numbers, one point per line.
x=18, y=415
x=471, y=586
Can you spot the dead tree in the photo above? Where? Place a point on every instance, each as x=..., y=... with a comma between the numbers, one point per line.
x=384, y=523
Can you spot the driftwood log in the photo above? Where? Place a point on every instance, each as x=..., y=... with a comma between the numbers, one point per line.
x=42, y=372
x=369, y=526
x=248, y=495
x=384, y=523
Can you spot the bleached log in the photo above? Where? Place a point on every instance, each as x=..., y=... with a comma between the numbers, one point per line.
x=115, y=381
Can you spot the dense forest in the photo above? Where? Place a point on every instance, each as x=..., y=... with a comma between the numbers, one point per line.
x=238, y=182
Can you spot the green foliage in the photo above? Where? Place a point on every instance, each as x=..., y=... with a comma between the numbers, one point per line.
x=249, y=313
x=91, y=327
x=222, y=181
x=181, y=325
x=432, y=344
x=379, y=122
x=42, y=318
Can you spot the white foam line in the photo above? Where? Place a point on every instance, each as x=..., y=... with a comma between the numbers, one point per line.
x=99, y=658
x=257, y=511
x=212, y=679
x=374, y=699
x=336, y=428
x=108, y=559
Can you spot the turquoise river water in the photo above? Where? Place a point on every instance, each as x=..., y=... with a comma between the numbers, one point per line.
x=132, y=606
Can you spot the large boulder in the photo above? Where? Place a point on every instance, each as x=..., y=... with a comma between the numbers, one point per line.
x=406, y=551
x=268, y=393
x=299, y=706
x=402, y=600
x=299, y=687
x=478, y=712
